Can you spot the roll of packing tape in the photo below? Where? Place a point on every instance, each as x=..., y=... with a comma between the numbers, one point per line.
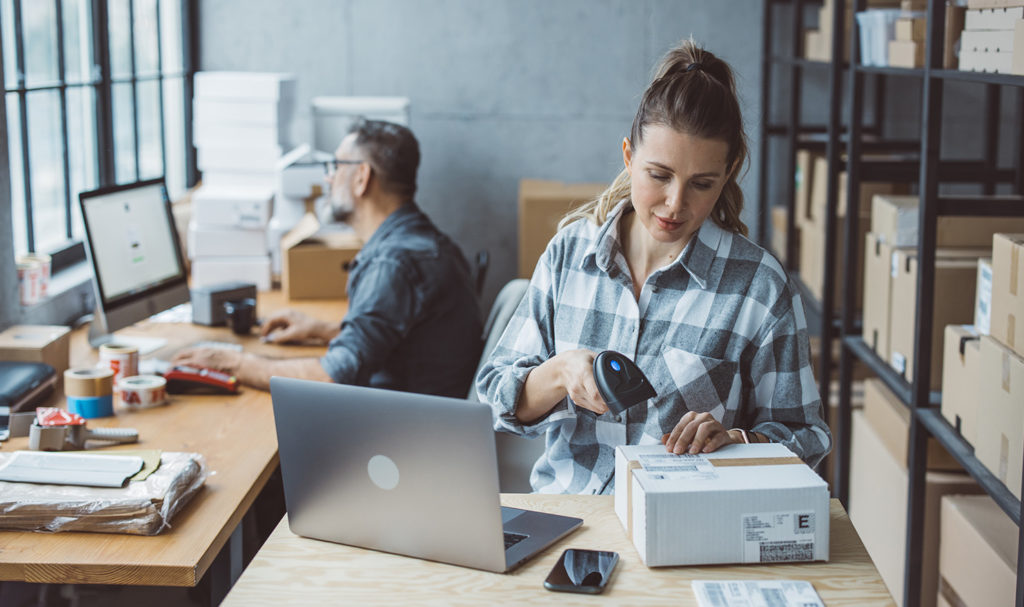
x=88, y=382
x=92, y=406
x=142, y=391
x=122, y=360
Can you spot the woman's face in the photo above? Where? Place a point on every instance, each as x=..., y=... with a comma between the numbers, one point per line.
x=676, y=180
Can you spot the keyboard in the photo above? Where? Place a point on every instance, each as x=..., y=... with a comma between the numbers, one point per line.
x=222, y=345
x=511, y=539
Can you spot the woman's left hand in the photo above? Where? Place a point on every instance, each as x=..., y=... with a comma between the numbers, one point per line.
x=697, y=433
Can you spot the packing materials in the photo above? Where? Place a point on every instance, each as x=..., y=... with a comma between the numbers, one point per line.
x=906, y=53
x=223, y=241
x=315, y=263
x=983, y=297
x=952, y=303
x=812, y=258
x=214, y=270
x=895, y=219
x=37, y=343
x=542, y=204
x=878, y=509
x=961, y=379
x=891, y=420
x=877, y=294
x=247, y=209
x=1007, y=322
x=977, y=552
x=912, y=28
x=741, y=504
x=1000, y=438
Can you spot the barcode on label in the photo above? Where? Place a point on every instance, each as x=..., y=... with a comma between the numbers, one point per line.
x=775, y=552
x=715, y=595
x=773, y=597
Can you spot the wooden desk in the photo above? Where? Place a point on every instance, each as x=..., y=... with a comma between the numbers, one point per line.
x=292, y=570
x=235, y=434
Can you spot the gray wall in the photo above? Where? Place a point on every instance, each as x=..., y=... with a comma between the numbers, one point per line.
x=500, y=90
x=9, y=298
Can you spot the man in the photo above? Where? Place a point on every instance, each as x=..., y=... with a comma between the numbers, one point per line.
x=413, y=321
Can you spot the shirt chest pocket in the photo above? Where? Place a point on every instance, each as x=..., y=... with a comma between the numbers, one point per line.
x=705, y=384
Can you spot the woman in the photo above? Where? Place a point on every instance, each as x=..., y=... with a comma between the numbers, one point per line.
x=659, y=268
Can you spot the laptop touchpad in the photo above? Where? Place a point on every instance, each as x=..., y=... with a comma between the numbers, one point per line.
x=507, y=514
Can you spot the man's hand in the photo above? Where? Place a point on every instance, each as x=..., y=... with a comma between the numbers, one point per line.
x=290, y=326
x=221, y=359
x=697, y=433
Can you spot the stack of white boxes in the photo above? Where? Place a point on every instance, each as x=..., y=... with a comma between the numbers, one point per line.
x=241, y=127
x=987, y=42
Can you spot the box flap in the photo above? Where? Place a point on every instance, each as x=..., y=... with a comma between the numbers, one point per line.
x=306, y=227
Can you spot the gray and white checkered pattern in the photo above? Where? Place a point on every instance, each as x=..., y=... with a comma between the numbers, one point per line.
x=720, y=329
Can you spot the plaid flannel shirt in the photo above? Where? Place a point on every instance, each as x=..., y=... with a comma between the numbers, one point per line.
x=720, y=329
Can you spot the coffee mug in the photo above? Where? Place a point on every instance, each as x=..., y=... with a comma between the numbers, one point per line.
x=241, y=315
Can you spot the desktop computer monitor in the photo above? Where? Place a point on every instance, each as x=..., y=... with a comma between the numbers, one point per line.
x=133, y=246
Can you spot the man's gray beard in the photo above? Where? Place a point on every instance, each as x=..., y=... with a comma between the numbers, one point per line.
x=327, y=212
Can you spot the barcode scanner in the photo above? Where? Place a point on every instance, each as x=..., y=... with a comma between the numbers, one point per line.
x=621, y=383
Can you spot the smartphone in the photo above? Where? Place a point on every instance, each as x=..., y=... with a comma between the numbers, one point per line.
x=579, y=570
x=5, y=419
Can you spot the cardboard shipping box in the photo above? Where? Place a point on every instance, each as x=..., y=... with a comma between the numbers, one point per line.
x=741, y=504
x=38, y=343
x=1007, y=322
x=812, y=258
x=780, y=236
x=983, y=297
x=878, y=509
x=868, y=190
x=1017, y=65
x=891, y=420
x=542, y=204
x=1000, y=444
x=877, y=294
x=977, y=552
x=895, y=219
x=215, y=270
x=315, y=261
x=906, y=53
x=952, y=303
x=961, y=379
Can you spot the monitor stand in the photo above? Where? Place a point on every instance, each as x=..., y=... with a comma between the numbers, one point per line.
x=98, y=337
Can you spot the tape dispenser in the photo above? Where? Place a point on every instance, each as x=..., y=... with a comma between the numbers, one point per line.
x=58, y=430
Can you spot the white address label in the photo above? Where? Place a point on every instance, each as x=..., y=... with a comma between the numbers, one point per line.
x=777, y=537
x=774, y=593
x=668, y=466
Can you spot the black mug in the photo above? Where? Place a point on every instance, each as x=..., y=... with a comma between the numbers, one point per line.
x=241, y=315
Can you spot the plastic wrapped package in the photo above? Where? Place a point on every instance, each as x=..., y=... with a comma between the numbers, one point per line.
x=141, y=508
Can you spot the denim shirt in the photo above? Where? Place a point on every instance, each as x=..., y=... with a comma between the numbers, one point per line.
x=413, y=321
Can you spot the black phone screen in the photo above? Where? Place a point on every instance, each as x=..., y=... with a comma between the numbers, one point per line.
x=579, y=570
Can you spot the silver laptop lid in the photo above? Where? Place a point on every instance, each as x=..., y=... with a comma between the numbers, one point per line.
x=394, y=471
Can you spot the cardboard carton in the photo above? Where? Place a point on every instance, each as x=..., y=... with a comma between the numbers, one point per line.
x=542, y=204
x=890, y=419
x=983, y=297
x=895, y=219
x=999, y=18
x=985, y=61
x=961, y=379
x=812, y=258
x=38, y=343
x=868, y=189
x=952, y=303
x=906, y=53
x=223, y=241
x=878, y=509
x=977, y=551
x=1017, y=64
x=315, y=262
x=911, y=28
x=779, y=235
x=955, y=16
x=741, y=504
x=208, y=271
x=1007, y=323
x=987, y=41
x=1000, y=444
x=232, y=208
x=877, y=293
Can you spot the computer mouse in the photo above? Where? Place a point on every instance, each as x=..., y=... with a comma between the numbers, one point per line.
x=621, y=383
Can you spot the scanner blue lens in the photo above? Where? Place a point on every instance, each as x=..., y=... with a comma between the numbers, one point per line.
x=614, y=364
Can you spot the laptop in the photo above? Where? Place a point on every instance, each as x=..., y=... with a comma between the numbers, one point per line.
x=400, y=472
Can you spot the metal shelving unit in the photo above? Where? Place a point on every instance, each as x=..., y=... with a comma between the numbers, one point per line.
x=845, y=140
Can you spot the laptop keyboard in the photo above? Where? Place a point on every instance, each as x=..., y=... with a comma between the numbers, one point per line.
x=511, y=539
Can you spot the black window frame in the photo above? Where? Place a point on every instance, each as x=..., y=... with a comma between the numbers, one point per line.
x=102, y=82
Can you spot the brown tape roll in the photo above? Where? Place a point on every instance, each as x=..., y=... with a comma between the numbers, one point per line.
x=84, y=382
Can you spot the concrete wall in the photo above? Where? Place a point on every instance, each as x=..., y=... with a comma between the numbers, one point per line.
x=500, y=90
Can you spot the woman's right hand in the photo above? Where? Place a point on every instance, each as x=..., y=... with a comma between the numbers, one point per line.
x=577, y=377
x=568, y=373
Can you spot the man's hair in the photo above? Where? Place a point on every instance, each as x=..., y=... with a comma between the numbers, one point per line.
x=392, y=151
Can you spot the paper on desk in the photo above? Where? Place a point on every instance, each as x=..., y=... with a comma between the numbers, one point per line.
x=755, y=593
x=88, y=470
x=150, y=460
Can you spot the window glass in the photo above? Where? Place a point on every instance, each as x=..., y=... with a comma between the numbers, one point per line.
x=174, y=136
x=151, y=162
x=119, y=27
x=145, y=38
x=77, y=41
x=124, y=133
x=17, y=174
x=39, y=29
x=81, y=150
x=46, y=169
x=10, y=58
x=171, y=36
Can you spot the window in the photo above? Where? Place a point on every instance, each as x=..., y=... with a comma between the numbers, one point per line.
x=96, y=94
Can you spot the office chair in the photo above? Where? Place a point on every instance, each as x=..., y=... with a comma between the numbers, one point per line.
x=482, y=262
x=516, y=455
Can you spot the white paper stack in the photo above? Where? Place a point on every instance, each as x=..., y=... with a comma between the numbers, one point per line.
x=241, y=125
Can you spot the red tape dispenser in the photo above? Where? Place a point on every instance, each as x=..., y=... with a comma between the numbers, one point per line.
x=59, y=430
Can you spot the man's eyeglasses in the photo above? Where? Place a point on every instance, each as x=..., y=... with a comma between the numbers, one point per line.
x=330, y=166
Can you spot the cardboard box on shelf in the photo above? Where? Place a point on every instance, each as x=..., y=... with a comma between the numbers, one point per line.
x=814, y=46
x=961, y=379
x=780, y=215
x=819, y=190
x=878, y=509
x=983, y=297
x=891, y=420
x=804, y=183
x=542, y=204
x=38, y=343
x=877, y=294
x=989, y=62
x=232, y=208
x=951, y=36
x=1000, y=444
x=952, y=303
x=812, y=253
x=1017, y=64
x=222, y=241
x=1007, y=322
x=977, y=551
x=699, y=517
x=987, y=41
x=999, y=18
x=906, y=53
x=215, y=270
x=315, y=262
x=912, y=28
x=895, y=219
x=994, y=3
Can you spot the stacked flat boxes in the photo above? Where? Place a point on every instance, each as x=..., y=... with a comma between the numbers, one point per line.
x=993, y=37
x=241, y=127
